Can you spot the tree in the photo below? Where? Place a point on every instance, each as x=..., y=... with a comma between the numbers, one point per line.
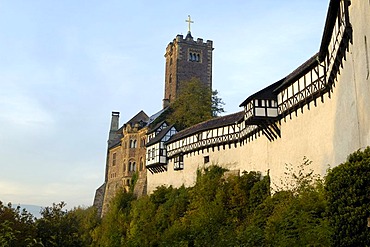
x=16, y=227
x=196, y=103
x=57, y=227
x=347, y=189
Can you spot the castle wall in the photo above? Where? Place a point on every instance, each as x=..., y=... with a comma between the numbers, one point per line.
x=325, y=133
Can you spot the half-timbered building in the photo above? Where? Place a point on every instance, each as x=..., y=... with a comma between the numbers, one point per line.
x=320, y=111
x=156, y=156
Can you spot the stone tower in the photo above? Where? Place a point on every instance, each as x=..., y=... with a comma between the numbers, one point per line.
x=186, y=58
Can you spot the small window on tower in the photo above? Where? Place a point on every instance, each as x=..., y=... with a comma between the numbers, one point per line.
x=114, y=159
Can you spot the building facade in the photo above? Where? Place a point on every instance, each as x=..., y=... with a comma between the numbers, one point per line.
x=125, y=157
x=319, y=112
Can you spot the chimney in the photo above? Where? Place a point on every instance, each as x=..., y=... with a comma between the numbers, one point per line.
x=114, y=125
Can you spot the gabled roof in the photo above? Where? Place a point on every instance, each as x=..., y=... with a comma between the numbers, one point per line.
x=160, y=135
x=209, y=124
x=156, y=127
x=140, y=117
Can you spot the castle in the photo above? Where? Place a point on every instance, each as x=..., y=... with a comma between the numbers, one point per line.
x=321, y=111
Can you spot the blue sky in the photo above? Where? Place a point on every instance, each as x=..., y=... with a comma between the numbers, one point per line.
x=66, y=65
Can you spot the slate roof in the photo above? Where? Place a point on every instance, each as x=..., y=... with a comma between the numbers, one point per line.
x=300, y=71
x=156, y=115
x=209, y=124
x=115, y=143
x=160, y=135
x=329, y=27
x=156, y=127
x=140, y=117
x=266, y=93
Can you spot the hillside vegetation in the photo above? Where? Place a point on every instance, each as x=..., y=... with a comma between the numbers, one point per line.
x=218, y=211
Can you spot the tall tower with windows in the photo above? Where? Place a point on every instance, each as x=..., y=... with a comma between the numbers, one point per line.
x=186, y=58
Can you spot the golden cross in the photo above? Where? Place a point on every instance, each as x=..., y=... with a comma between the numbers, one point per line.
x=189, y=21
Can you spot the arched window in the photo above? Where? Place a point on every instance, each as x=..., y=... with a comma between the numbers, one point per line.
x=131, y=166
x=198, y=58
x=135, y=144
x=134, y=166
x=141, y=164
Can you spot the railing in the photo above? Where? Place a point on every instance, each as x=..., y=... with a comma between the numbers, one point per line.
x=214, y=141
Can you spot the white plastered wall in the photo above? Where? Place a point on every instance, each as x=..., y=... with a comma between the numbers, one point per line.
x=325, y=134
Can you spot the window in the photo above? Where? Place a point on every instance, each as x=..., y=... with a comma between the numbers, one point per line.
x=149, y=152
x=194, y=56
x=179, y=162
x=161, y=151
x=141, y=164
x=153, y=153
x=114, y=159
x=133, y=143
x=206, y=159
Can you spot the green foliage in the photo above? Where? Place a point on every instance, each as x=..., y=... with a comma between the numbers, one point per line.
x=217, y=104
x=196, y=103
x=114, y=226
x=57, y=227
x=219, y=210
x=16, y=227
x=347, y=187
x=88, y=220
x=297, y=213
